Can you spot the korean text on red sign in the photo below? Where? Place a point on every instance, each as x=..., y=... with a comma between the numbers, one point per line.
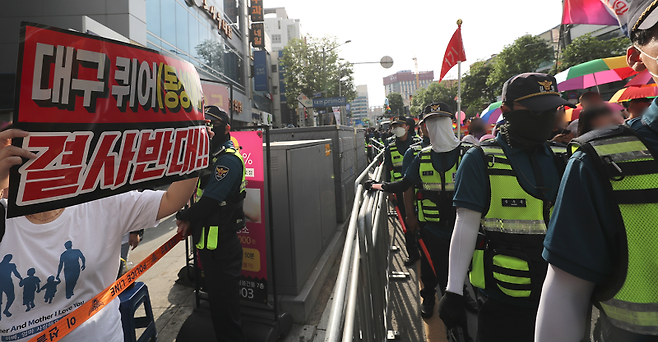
x=104, y=117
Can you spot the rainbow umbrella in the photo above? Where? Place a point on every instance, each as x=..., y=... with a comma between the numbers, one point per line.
x=491, y=113
x=593, y=73
x=627, y=94
x=643, y=78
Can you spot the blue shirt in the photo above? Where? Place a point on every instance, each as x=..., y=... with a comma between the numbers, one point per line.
x=471, y=182
x=582, y=237
x=226, y=176
x=413, y=176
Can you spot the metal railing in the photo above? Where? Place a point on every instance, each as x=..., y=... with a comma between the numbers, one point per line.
x=360, y=307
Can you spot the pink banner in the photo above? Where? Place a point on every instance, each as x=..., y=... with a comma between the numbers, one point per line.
x=253, y=281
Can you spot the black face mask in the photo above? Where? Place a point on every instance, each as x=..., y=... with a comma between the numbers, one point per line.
x=526, y=129
x=220, y=138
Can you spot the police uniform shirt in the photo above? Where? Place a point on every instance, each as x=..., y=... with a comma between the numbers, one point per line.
x=582, y=235
x=472, y=184
x=413, y=176
x=410, y=155
x=226, y=176
x=403, y=146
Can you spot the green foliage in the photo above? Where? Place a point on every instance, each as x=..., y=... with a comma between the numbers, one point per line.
x=303, y=60
x=396, y=103
x=476, y=94
x=586, y=48
x=435, y=92
x=524, y=55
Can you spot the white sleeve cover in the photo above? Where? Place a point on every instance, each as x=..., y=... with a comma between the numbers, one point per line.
x=563, y=307
x=462, y=246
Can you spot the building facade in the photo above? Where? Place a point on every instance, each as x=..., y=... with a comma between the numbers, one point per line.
x=282, y=30
x=359, y=107
x=404, y=82
x=210, y=34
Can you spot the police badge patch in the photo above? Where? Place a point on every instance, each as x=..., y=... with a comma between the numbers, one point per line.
x=220, y=172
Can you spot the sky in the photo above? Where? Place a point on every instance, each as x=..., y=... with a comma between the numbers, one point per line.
x=418, y=28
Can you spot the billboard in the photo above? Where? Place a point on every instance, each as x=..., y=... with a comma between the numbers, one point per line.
x=260, y=71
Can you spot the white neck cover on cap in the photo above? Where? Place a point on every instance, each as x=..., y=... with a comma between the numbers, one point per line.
x=442, y=137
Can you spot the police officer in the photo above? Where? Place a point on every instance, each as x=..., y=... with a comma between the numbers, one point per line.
x=432, y=172
x=602, y=243
x=507, y=187
x=396, y=147
x=214, y=220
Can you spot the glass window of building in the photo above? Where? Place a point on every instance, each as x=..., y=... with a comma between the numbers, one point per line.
x=168, y=21
x=182, y=28
x=276, y=39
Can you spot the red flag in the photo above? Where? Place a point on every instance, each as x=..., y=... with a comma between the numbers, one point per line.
x=454, y=53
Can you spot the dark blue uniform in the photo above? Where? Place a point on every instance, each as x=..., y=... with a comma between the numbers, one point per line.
x=582, y=235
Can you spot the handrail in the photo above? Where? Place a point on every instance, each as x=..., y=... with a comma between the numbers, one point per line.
x=358, y=311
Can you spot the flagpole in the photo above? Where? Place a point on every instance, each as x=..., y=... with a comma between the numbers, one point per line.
x=459, y=91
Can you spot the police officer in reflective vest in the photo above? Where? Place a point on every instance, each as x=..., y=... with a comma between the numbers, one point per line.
x=602, y=243
x=432, y=172
x=506, y=188
x=393, y=156
x=214, y=220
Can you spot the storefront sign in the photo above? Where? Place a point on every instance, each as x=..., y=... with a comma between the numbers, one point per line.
x=260, y=71
x=104, y=118
x=253, y=281
x=216, y=95
x=256, y=10
x=214, y=14
x=258, y=35
x=237, y=106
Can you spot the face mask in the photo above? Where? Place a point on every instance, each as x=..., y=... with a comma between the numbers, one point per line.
x=220, y=137
x=526, y=129
x=646, y=54
x=441, y=135
x=399, y=132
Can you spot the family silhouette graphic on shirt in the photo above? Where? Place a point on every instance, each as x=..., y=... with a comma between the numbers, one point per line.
x=71, y=261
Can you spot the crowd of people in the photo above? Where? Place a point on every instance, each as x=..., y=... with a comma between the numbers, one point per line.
x=545, y=217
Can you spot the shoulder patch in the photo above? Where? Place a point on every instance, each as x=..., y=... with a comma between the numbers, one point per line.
x=220, y=172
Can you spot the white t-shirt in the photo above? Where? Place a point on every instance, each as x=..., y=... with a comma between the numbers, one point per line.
x=88, y=235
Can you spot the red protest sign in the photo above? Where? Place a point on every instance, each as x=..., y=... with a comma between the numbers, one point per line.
x=105, y=117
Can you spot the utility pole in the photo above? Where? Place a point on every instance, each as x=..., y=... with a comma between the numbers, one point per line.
x=417, y=74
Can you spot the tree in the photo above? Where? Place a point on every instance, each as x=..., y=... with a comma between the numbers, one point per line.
x=586, y=48
x=435, y=92
x=304, y=59
x=396, y=103
x=475, y=92
x=524, y=55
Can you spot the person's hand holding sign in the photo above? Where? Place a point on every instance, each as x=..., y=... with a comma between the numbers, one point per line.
x=11, y=155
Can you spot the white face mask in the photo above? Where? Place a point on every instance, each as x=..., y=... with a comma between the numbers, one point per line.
x=441, y=135
x=646, y=54
x=399, y=131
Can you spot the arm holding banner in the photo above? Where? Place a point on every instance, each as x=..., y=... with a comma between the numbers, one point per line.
x=11, y=155
x=176, y=196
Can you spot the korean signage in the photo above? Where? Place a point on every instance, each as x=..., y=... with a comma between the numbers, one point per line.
x=330, y=101
x=216, y=15
x=260, y=71
x=256, y=10
x=104, y=118
x=253, y=281
x=216, y=95
x=258, y=35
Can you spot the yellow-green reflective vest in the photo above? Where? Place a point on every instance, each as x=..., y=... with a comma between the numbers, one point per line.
x=434, y=183
x=397, y=157
x=633, y=175
x=209, y=235
x=514, y=224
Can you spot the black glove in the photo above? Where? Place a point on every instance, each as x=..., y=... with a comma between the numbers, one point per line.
x=452, y=310
x=418, y=235
x=368, y=184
